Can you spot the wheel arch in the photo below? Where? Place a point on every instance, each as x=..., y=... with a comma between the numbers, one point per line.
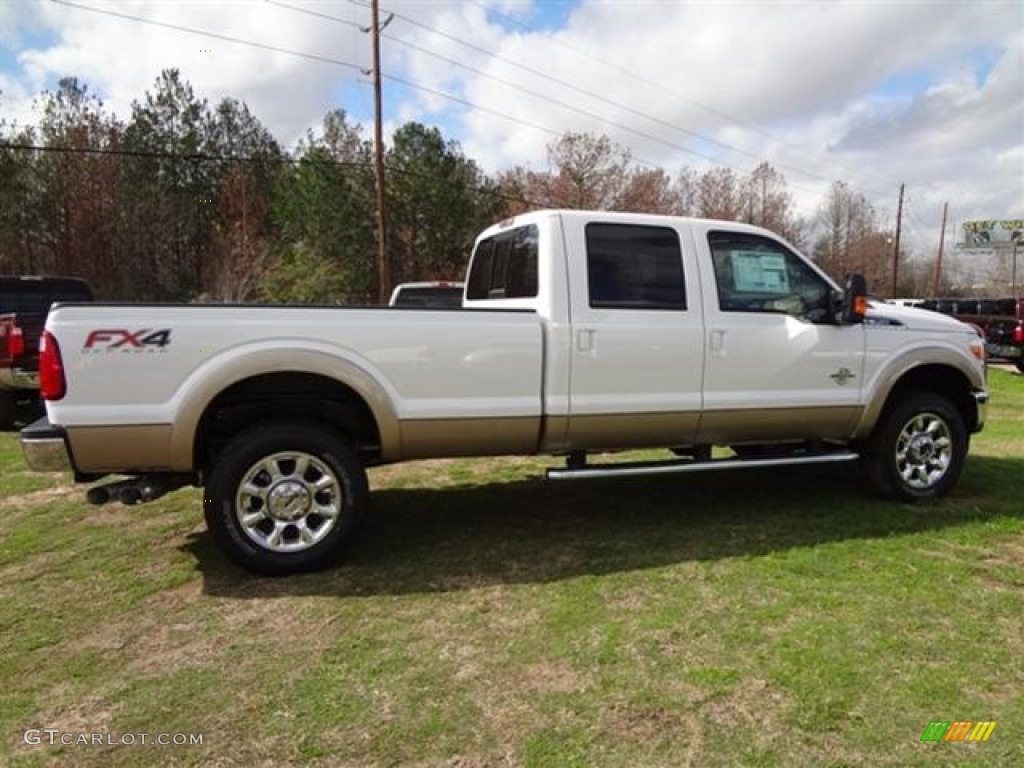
x=292, y=396
x=944, y=379
x=311, y=386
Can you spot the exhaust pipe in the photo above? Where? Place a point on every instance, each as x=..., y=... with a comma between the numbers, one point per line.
x=136, y=490
x=102, y=494
x=99, y=495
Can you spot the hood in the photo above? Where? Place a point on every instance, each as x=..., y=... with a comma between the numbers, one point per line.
x=882, y=313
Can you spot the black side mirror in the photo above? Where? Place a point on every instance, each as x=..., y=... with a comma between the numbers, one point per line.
x=855, y=300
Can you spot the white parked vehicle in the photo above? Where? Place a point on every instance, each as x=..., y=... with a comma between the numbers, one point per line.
x=580, y=332
x=429, y=295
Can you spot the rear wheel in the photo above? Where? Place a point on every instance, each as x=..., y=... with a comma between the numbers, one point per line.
x=1020, y=365
x=285, y=498
x=918, y=448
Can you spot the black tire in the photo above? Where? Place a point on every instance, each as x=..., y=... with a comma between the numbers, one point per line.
x=918, y=448
x=1020, y=365
x=8, y=409
x=285, y=498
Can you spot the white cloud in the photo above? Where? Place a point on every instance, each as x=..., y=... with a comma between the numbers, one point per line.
x=872, y=93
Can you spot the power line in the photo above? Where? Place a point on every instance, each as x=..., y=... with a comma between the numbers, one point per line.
x=206, y=33
x=350, y=65
x=661, y=87
x=314, y=57
x=565, y=84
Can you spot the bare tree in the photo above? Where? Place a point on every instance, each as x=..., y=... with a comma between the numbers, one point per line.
x=720, y=195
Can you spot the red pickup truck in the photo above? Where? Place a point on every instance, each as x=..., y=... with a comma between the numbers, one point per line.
x=24, y=303
x=1001, y=322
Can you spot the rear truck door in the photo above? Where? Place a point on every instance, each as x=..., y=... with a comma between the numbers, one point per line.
x=777, y=366
x=637, y=352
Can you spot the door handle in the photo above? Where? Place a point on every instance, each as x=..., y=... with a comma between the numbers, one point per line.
x=716, y=342
x=585, y=340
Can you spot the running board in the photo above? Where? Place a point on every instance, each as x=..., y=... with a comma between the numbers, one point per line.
x=626, y=469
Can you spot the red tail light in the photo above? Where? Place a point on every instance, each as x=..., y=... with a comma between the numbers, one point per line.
x=52, y=385
x=1018, y=334
x=16, y=342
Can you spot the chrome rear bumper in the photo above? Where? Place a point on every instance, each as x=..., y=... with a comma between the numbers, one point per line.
x=45, y=447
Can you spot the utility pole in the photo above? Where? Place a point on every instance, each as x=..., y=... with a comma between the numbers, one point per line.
x=938, y=260
x=896, y=245
x=383, y=267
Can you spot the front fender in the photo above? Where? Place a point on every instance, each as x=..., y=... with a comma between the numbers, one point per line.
x=927, y=361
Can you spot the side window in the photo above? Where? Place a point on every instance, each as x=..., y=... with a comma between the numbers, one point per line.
x=634, y=267
x=758, y=274
x=505, y=266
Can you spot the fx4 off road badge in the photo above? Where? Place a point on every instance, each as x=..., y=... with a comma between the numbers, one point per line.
x=124, y=340
x=842, y=376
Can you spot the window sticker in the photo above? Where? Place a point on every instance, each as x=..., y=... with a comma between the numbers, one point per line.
x=760, y=272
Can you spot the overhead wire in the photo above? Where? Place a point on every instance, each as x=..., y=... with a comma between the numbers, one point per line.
x=664, y=89
x=535, y=94
x=353, y=66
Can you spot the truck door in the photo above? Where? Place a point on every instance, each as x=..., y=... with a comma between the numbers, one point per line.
x=777, y=365
x=637, y=335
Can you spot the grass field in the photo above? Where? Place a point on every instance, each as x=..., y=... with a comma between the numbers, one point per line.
x=488, y=618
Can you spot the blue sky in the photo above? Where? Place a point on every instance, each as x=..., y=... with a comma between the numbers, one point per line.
x=930, y=94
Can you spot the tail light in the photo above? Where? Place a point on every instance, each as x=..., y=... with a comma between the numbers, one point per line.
x=1018, y=334
x=52, y=385
x=16, y=342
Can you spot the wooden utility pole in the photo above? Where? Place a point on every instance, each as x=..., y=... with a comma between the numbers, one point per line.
x=383, y=267
x=896, y=245
x=938, y=260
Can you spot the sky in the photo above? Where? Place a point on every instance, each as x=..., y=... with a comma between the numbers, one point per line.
x=877, y=93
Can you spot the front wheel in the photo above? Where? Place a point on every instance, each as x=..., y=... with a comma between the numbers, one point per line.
x=285, y=498
x=918, y=448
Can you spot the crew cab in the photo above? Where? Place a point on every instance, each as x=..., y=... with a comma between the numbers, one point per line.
x=580, y=332
x=24, y=302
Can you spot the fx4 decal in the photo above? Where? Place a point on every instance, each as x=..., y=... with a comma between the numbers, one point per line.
x=124, y=340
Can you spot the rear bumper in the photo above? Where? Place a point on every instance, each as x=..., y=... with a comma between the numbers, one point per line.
x=45, y=447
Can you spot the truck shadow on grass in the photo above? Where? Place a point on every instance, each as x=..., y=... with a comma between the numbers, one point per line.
x=534, y=531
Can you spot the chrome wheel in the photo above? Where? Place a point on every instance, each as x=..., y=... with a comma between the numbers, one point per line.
x=288, y=501
x=924, y=451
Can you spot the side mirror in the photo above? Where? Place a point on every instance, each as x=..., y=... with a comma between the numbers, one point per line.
x=855, y=300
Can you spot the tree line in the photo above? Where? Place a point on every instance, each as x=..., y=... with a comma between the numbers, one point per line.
x=188, y=201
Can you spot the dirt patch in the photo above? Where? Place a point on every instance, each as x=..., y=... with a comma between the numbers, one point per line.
x=752, y=703
x=60, y=492
x=552, y=677
x=1009, y=552
x=650, y=726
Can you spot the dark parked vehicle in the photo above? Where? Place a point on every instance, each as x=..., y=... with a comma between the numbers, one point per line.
x=24, y=303
x=1001, y=322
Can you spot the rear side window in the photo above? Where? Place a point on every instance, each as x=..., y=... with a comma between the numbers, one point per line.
x=505, y=266
x=632, y=266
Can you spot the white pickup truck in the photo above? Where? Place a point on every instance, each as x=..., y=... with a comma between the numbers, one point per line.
x=580, y=332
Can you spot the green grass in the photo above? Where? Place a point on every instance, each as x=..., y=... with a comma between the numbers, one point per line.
x=486, y=617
